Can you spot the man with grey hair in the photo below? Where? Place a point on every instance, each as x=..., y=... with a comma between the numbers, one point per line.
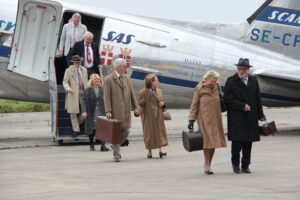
x=72, y=32
x=119, y=100
x=89, y=51
x=244, y=109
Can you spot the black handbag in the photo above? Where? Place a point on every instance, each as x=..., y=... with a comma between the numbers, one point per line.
x=222, y=102
x=192, y=140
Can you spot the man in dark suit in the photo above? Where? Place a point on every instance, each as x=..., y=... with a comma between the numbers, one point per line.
x=242, y=96
x=89, y=51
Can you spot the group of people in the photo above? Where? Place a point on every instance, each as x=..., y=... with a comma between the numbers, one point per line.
x=77, y=40
x=89, y=96
x=244, y=109
x=114, y=98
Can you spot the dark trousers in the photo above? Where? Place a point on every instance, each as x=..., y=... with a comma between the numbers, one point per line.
x=68, y=59
x=92, y=70
x=236, y=148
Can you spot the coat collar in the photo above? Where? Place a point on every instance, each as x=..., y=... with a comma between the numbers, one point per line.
x=73, y=68
x=116, y=78
x=250, y=79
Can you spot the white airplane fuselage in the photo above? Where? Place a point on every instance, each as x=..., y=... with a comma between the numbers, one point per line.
x=179, y=52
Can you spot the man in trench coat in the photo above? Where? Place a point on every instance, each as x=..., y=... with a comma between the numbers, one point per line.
x=242, y=96
x=74, y=82
x=119, y=100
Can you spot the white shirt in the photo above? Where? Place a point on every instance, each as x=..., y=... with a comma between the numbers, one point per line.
x=76, y=36
x=245, y=80
x=117, y=74
x=86, y=64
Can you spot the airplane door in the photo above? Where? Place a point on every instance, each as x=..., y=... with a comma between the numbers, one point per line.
x=35, y=38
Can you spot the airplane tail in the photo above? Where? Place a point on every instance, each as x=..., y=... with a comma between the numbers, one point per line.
x=275, y=25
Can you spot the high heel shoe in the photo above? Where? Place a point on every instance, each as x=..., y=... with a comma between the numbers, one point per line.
x=161, y=154
x=149, y=155
x=208, y=172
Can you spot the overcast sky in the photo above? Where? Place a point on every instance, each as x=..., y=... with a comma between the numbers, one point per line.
x=192, y=10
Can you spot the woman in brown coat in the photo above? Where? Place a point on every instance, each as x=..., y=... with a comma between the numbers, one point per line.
x=206, y=109
x=152, y=105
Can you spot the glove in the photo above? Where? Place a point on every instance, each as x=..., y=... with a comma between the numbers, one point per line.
x=191, y=124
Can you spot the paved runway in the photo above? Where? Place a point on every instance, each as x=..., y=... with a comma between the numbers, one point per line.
x=32, y=167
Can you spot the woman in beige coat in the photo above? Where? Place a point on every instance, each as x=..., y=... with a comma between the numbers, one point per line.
x=152, y=105
x=206, y=109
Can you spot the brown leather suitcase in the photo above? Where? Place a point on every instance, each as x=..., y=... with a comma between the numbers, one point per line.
x=268, y=129
x=108, y=130
x=192, y=140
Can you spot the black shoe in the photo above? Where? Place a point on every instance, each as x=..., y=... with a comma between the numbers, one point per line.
x=208, y=172
x=125, y=143
x=104, y=148
x=236, y=169
x=162, y=154
x=75, y=133
x=247, y=171
x=92, y=148
x=149, y=155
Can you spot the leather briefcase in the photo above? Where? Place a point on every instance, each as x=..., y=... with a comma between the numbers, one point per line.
x=108, y=130
x=192, y=141
x=267, y=128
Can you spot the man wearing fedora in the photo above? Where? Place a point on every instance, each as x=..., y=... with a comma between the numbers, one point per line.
x=74, y=82
x=242, y=97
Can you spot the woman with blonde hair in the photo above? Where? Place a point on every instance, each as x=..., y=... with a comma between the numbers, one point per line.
x=152, y=106
x=206, y=109
x=92, y=106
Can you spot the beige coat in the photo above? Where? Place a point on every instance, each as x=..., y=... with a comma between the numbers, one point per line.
x=71, y=82
x=155, y=135
x=119, y=98
x=206, y=110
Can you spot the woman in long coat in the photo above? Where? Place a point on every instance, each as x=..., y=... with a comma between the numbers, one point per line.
x=152, y=105
x=92, y=106
x=206, y=109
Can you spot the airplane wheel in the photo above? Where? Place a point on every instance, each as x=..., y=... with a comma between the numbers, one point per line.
x=60, y=142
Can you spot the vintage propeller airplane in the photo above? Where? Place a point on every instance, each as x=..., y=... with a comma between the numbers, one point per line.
x=180, y=52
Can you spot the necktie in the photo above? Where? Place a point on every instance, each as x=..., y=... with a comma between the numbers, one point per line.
x=121, y=79
x=88, y=55
x=79, y=79
x=74, y=36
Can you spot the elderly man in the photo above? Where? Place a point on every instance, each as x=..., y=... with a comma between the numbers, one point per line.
x=90, y=53
x=119, y=100
x=242, y=97
x=72, y=32
x=74, y=82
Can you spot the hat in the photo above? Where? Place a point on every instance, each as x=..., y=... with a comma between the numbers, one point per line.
x=243, y=62
x=76, y=58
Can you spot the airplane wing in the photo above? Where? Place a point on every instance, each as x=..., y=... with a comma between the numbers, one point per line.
x=272, y=75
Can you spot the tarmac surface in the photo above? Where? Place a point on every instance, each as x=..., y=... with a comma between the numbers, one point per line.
x=32, y=166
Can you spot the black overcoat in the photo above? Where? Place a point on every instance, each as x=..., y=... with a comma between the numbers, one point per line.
x=88, y=104
x=242, y=125
x=78, y=49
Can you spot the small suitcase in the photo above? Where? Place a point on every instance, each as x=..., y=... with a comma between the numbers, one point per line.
x=192, y=140
x=108, y=130
x=267, y=128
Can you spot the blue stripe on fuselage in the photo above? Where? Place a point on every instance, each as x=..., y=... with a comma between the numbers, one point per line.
x=192, y=84
x=5, y=51
x=167, y=80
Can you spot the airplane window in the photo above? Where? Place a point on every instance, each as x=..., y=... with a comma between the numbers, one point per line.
x=5, y=39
